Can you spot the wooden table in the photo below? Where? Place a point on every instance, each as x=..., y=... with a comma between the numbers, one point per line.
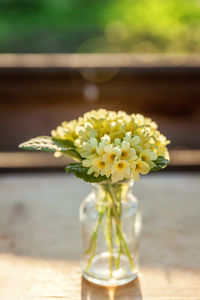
x=39, y=239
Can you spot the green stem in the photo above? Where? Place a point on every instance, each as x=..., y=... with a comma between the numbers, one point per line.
x=117, y=232
x=94, y=235
x=119, y=255
x=93, y=240
x=109, y=238
x=118, y=226
x=125, y=248
x=92, y=256
x=118, y=209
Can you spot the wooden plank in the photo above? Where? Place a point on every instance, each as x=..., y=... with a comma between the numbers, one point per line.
x=99, y=60
x=39, y=244
x=42, y=160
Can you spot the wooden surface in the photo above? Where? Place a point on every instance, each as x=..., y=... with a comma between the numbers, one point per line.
x=39, y=239
x=99, y=60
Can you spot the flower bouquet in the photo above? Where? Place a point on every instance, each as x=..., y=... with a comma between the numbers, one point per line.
x=111, y=150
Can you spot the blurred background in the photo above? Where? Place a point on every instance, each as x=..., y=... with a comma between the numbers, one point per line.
x=61, y=58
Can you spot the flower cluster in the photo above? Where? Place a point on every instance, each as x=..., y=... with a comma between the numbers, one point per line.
x=115, y=144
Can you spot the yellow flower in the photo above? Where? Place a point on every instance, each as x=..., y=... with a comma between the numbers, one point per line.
x=139, y=167
x=134, y=141
x=105, y=140
x=148, y=156
x=114, y=143
x=121, y=170
x=111, y=154
x=127, y=153
x=117, y=142
x=88, y=148
x=96, y=165
x=66, y=131
x=160, y=146
x=86, y=131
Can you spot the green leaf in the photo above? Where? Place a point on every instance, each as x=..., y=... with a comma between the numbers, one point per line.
x=63, y=143
x=41, y=143
x=49, y=144
x=160, y=163
x=81, y=172
x=73, y=153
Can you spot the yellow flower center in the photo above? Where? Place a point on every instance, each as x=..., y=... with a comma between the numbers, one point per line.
x=120, y=165
x=124, y=153
x=112, y=157
x=137, y=167
x=144, y=157
x=101, y=164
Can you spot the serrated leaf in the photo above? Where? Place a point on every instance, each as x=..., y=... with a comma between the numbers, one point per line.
x=49, y=144
x=160, y=163
x=81, y=172
x=41, y=143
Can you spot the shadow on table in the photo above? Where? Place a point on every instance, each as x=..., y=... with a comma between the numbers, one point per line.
x=130, y=291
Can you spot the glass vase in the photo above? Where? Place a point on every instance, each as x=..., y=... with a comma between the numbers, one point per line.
x=110, y=227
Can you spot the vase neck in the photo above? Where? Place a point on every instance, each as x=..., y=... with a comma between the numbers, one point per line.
x=117, y=191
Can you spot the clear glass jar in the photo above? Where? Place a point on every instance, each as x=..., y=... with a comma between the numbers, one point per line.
x=110, y=227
